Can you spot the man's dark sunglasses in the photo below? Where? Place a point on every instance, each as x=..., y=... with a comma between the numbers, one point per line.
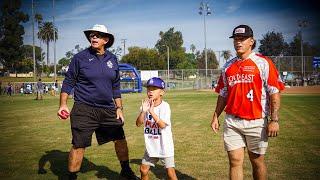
x=97, y=34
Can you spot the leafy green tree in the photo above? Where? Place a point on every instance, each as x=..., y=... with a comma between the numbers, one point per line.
x=25, y=65
x=172, y=39
x=78, y=48
x=272, y=44
x=11, y=32
x=193, y=48
x=69, y=54
x=294, y=48
x=189, y=63
x=27, y=51
x=64, y=61
x=212, y=60
x=143, y=58
x=45, y=34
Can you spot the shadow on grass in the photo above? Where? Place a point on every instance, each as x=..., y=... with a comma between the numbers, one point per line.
x=160, y=172
x=59, y=166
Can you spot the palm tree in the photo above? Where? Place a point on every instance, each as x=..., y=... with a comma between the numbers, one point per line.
x=192, y=48
x=45, y=34
x=226, y=54
x=38, y=18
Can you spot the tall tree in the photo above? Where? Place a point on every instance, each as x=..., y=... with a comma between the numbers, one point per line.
x=11, y=32
x=45, y=34
x=189, y=63
x=78, y=48
x=27, y=51
x=64, y=61
x=212, y=60
x=173, y=39
x=143, y=58
x=294, y=48
x=193, y=48
x=39, y=19
x=69, y=54
x=272, y=44
x=170, y=38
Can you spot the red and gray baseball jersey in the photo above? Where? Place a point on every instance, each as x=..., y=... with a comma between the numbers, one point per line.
x=247, y=85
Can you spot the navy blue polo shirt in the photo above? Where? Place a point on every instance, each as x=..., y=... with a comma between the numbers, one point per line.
x=96, y=80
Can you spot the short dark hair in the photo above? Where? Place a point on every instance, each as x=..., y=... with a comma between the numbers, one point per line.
x=39, y=79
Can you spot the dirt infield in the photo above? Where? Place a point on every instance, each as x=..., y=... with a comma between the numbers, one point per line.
x=302, y=90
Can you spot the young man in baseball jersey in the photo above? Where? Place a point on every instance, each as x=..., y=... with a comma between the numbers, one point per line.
x=155, y=116
x=249, y=92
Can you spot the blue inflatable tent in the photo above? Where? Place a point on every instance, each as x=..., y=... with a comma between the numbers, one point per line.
x=130, y=80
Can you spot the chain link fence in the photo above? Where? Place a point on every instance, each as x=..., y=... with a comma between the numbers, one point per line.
x=294, y=71
x=29, y=88
x=297, y=70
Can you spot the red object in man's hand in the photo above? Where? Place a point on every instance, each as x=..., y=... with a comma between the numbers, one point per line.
x=64, y=114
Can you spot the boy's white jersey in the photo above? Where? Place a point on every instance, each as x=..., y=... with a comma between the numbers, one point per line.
x=159, y=142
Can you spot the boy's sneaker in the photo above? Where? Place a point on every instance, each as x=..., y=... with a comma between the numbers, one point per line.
x=128, y=174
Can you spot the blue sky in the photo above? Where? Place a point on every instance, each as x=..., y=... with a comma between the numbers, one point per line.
x=140, y=21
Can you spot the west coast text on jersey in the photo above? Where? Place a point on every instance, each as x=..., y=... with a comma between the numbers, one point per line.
x=246, y=85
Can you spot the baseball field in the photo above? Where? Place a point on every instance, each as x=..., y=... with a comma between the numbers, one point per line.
x=34, y=141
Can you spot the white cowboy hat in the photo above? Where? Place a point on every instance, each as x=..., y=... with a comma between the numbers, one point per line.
x=102, y=29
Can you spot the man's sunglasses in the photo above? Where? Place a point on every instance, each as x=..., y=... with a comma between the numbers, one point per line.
x=98, y=35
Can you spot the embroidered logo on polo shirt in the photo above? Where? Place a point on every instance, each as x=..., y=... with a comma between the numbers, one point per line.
x=90, y=59
x=109, y=64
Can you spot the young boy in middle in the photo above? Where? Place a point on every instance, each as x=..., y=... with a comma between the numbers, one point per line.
x=155, y=116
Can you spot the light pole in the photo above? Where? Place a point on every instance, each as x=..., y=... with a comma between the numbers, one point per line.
x=302, y=24
x=124, y=46
x=33, y=47
x=54, y=43
x=204, y=10
x=168, y=63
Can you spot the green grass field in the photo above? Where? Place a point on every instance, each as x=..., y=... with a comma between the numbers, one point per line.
x=32, y=135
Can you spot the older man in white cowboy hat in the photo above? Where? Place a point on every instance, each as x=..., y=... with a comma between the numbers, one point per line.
x=94, y=75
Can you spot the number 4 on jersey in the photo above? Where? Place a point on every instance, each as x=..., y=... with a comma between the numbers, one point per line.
x=250, y=95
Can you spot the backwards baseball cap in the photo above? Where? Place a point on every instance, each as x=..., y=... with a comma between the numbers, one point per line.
x=156, y=82
x=242, y=30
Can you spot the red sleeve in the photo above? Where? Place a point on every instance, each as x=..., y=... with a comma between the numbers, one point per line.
x=220, y=84
x=275, y=83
